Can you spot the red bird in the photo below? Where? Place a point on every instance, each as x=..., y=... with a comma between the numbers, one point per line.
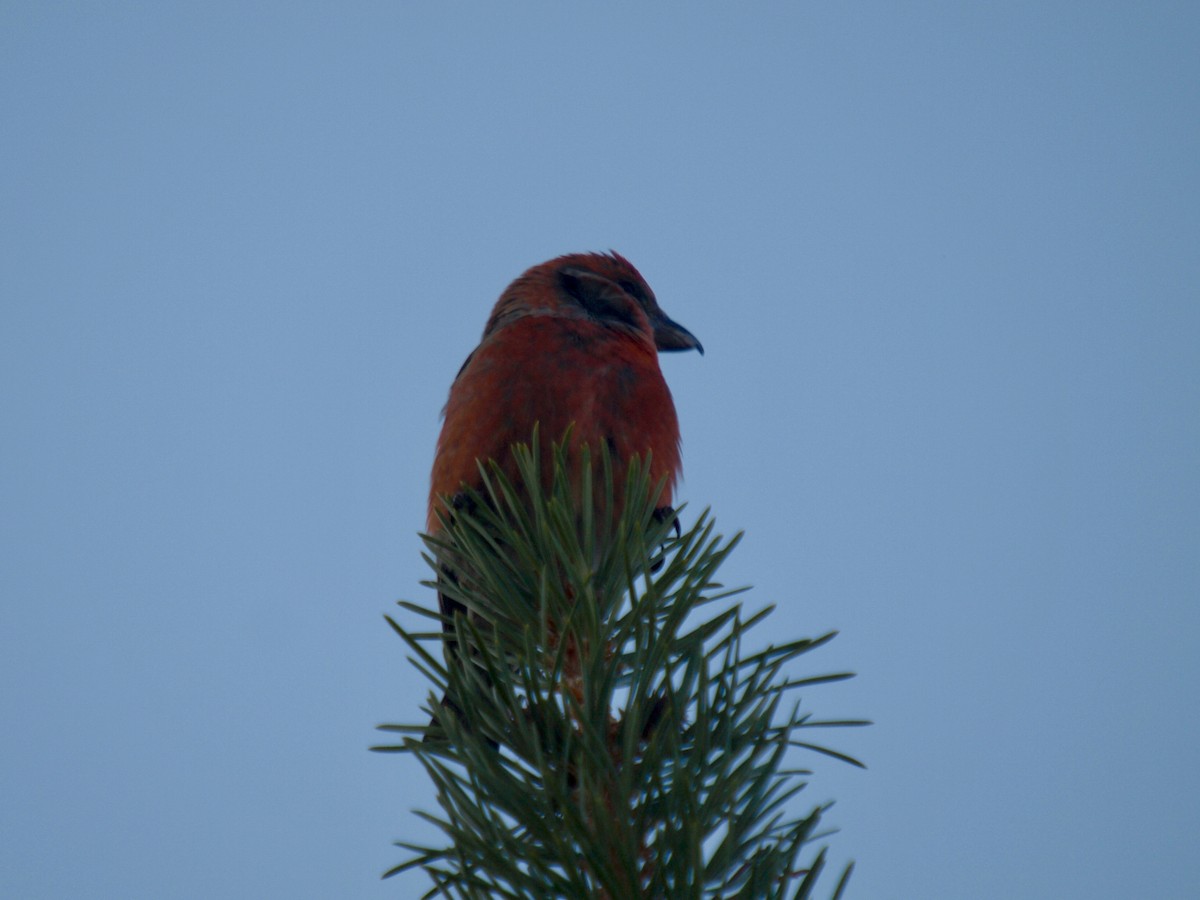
x=572, y=342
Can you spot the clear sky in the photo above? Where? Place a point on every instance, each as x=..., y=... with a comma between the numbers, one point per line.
x=944, y=258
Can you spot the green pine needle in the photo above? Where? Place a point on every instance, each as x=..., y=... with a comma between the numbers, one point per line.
x=614, y=735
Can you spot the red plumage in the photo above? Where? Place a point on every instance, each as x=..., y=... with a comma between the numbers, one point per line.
x=572, y=342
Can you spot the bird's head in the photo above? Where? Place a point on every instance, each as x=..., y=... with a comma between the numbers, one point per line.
x=600, y=287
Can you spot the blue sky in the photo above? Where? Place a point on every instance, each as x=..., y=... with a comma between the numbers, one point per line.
x=943, y=258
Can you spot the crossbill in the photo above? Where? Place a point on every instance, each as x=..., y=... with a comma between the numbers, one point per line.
x=573, y=342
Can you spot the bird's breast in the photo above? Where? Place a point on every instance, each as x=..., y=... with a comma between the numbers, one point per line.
x=605, y=385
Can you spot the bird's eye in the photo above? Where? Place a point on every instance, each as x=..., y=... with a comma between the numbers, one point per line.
x=595, y=294
x=630, y=288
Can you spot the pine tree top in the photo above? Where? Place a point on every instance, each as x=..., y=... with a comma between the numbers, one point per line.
x=608, y=733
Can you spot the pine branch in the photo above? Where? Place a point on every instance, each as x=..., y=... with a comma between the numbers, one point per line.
x=614, y=737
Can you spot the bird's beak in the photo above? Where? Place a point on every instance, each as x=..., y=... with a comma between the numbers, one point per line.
x=669, y=335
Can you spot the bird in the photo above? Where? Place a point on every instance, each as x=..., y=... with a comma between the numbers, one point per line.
x=570, y=347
